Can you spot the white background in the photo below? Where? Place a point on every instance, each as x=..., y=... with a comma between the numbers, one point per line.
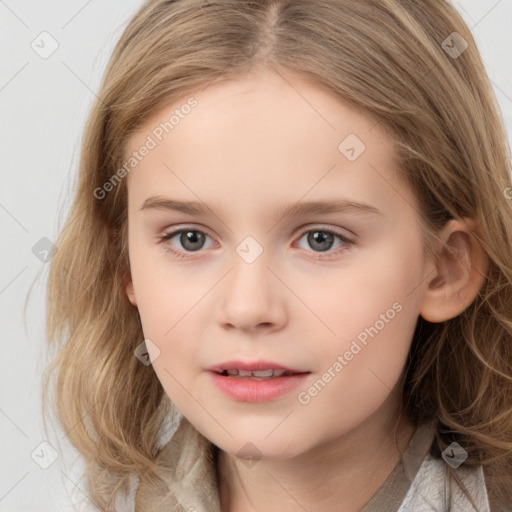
x=44, y=103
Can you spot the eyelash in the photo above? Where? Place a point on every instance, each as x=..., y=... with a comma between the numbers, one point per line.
x=346, y=241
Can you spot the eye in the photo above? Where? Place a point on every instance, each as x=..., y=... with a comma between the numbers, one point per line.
x=192, y=240
x=323, y=239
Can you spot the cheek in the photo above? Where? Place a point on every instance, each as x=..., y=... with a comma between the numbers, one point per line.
x=172, y=305
x=166, y=290
x=378, y=287
x=359, y=368
x=372, y=309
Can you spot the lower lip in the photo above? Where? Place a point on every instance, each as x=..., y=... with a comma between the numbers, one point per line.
x=247, y=390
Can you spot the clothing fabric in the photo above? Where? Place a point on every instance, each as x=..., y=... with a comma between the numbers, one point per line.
x=418, y=484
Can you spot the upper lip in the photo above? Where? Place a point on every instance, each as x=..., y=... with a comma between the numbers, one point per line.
x=252, y=366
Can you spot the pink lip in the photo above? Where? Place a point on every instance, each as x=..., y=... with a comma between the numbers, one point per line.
x=251, y=365
x=247, y=390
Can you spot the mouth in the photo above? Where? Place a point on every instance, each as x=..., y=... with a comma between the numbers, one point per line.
x=256, y=369
x=257, y=374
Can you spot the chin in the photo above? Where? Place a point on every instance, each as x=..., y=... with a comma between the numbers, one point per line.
x=253, y=449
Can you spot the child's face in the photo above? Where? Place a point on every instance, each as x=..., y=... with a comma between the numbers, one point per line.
x=262, y=286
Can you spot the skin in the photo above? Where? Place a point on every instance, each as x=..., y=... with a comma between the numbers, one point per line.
x=250, y=146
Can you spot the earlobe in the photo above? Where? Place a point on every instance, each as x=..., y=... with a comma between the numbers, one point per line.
x=459, y=273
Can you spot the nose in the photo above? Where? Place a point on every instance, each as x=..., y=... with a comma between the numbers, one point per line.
x=252, y=297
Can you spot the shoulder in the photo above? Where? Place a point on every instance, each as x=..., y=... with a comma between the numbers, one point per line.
x=125, y=501
x=433, y=488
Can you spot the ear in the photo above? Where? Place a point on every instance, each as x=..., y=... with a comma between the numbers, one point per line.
x=130, y=291
x=459, y=272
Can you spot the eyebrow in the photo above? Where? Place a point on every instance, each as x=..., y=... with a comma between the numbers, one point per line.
x=296, y=209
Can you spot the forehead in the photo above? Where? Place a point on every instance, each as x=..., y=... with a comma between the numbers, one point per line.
x=263, y=104
x=246, y=135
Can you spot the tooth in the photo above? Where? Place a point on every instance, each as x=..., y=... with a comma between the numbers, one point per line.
x=257, y=374
x=263, y=373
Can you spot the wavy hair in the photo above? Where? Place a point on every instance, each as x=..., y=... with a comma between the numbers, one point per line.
x=390, y=60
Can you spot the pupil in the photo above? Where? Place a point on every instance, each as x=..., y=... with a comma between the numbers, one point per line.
x=191, y=237
x=322, y=238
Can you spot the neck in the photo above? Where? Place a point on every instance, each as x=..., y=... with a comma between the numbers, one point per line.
x=340, y=474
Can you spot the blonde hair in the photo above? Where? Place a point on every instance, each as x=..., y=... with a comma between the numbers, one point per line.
x=387, y=59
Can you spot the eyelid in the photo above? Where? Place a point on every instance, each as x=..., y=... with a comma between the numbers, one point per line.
x=324, y=227
x=176, y=230
x=330, y=254
x=303, y=230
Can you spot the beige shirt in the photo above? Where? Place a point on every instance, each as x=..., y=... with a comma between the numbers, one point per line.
x=419, y=484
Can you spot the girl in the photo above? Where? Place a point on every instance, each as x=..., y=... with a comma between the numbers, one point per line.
x=285, y=281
